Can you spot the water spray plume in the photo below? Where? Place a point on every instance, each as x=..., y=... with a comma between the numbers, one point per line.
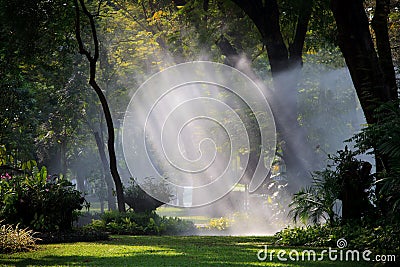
x=185, y=127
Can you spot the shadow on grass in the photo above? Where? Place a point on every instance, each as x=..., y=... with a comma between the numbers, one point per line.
x=158, y=251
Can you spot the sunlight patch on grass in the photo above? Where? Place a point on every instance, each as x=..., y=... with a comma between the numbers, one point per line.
x=158, y=251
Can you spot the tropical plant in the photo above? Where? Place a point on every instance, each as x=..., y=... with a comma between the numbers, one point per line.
x=39, y=201
x=385, y=138
x=377, y=238
x=347, y=179
x=316, y=202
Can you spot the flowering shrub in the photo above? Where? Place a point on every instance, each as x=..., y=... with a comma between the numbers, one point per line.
x=38, y=201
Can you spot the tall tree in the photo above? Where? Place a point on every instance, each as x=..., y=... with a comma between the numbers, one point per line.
x=372, y=74
x=285, y=61
x=371, y=70
x=92, y=81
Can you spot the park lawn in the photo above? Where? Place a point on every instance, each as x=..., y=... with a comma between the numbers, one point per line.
x=158, y=251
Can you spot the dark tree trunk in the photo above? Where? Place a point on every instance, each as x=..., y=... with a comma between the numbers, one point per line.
x=373, y=77
x=358, y=49
x=92, y=81
x=107, y=177
x=380, y=27
x=285, y=65
x=296, y=48
x=110, y=145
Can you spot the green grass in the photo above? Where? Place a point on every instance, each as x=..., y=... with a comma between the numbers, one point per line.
x=157, y=251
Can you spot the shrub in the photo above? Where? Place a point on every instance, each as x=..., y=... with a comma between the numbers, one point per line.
x=14, y=239
x=347, y=179
x=219, y=224
x=379, y=239
x=315, y=235
x=39, y=201
x=148, y=223
x=140, y=201
x=316, y=203
x=383, y=140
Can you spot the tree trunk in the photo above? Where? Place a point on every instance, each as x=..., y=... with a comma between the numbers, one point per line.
x=285, y=65
x=110, y=144
x=373, y=77
x=107, y=177
x=356, y=44
x=92, y=81
x=380, y=27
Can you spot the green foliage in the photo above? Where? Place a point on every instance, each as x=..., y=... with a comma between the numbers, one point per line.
x=140, y=201
x=17, y=119
x=219, y=224
x=39, y=201
x=316, y=202
x=383, y=139
x=315, y=235
x=148, y=223
x=379, y=239
x=14, y=239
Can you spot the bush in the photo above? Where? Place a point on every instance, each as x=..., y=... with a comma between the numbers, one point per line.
x=39, y=201
x=379, y=239
x=219, y=224
x=14, y=239
x=137, y=199
x=315, y=235
x=148, y=223
x=346, y=178
x=383, y=140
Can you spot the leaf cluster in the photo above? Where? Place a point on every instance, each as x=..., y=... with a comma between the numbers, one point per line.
x=39, y=201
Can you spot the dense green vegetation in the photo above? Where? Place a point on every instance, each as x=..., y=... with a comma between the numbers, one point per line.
x=39, y=201
x=149, y=223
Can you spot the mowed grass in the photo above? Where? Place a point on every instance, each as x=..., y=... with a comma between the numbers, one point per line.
x=159, y=251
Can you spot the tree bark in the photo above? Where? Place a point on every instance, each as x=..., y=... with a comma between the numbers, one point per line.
x=358, y=49
x=380, y=27
x=92, y=81
x=285, y=65
x=373, y=77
